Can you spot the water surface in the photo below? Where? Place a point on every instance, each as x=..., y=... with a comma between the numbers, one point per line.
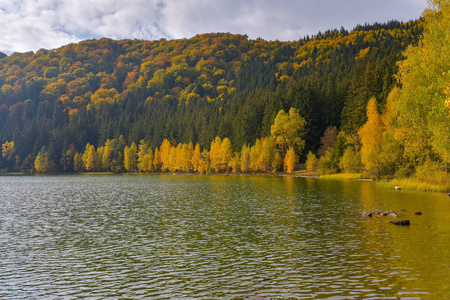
x=209, y=237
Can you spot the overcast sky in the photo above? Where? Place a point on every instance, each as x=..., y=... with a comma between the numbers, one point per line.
x=28, y=25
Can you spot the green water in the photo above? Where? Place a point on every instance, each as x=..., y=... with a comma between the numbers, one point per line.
x=218, y=237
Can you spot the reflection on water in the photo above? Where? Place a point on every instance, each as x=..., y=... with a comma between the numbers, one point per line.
x=166, y=237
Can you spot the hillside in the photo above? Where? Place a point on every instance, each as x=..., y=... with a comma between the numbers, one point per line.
x=193, y=90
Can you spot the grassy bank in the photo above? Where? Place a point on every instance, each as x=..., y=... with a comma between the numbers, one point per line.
x=413, y=184
x=342, y=176
x=408, y=184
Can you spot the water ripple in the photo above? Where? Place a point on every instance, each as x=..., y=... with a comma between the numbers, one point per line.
x=165, y=237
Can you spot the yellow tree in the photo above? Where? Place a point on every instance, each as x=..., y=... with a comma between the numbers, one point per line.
x=107, y=156
x=371, y=136
x=148, y=160
x=142, y=163
x=226, y=154
x=8, y=150
x=196, y=157
x=90, y=159
x=233, y=164
x=423, y=122
x=290, y=160
x=245, y=159
x=130, y=158
x=255, y=152
x=157, y=160
x=188, y=152
x=311, y=161
x=42, y=162
x=214, y=155
x=173, y=163
x=164, y=151
x=288, y=131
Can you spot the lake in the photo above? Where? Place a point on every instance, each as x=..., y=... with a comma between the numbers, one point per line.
x=218, y=237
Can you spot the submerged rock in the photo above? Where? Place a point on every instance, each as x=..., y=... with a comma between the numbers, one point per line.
x=391, y=214
x=401, y=222
x=367, y=214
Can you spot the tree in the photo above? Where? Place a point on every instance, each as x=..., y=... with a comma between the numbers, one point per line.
x=311, y=162
x=328, y=140
x=225, y=154
x=371, y=136
x=288, y=131
x=164, y=151
x=8, y=150
x=196, y=157
x=68, y=159
x=130, y=158
x=142, y=163
x=91, y=159
x=290, y=160
x=245, y=159
x=214, y=155
x=78, y=164
x=423, y=122
x=157, y=160
x=42, y=163
x=350, y=161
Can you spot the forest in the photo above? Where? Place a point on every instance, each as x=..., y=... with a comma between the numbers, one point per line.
x=375, y=99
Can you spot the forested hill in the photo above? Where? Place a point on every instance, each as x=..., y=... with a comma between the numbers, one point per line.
x=192, y=90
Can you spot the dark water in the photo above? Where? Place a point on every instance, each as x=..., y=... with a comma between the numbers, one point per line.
x=184, y=237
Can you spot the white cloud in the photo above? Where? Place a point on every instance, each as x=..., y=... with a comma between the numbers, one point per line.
x=32, y=24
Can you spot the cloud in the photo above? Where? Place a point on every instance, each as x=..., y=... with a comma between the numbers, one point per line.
x=33, y=24
x=283, y=20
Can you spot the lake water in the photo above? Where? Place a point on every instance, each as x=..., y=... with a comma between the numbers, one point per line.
x=218, y=237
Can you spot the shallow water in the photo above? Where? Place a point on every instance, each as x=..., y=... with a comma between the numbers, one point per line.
x=209, y=237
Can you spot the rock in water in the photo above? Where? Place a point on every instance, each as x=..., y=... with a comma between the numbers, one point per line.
x=401, y=222
x=391, y=214
x=367, y=214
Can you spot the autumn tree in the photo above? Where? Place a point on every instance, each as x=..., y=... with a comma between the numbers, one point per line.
x=371, y=136
x=8, y=150
x=141, y=163
x=157, y=160
x=91, y=159
x=130, y=158
x=328, y=140
x=164, y=151
x=423, y=121
x=43, y=164
x=196, y=157
x=78, y=164
x=288, y=131
x=290, y=160
x=311, y=162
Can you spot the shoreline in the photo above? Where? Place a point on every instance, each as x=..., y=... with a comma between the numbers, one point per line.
x=407, y=184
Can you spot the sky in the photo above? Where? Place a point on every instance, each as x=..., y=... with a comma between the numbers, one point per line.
x=29, y=25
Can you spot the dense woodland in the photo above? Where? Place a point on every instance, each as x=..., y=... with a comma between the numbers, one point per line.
x=214, y=103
